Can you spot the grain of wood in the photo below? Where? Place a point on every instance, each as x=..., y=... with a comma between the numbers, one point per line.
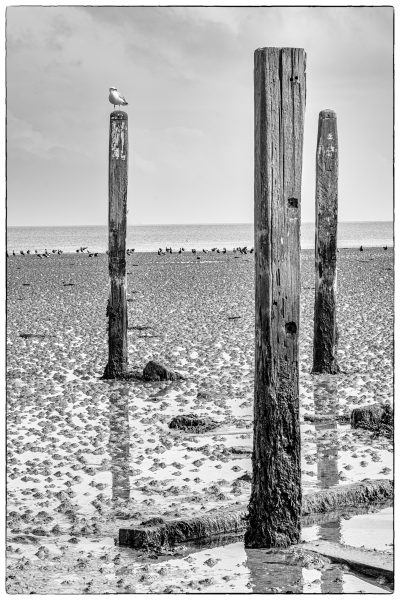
x=280, y=92
x=326, y=208
x=117, y=193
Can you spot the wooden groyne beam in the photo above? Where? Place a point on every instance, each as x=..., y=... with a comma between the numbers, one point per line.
x=158, y=533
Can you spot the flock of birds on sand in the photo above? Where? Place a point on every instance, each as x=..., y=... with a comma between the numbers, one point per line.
x=243, y=250
x=160, y=251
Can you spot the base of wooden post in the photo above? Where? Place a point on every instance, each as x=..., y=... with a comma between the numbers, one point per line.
x=112, y=373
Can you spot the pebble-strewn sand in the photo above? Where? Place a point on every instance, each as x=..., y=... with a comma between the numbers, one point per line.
x=86, y=456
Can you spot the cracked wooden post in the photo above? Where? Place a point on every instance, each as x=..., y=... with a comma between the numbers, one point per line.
x=326, y=206
x=117, y=199
x=280, y=93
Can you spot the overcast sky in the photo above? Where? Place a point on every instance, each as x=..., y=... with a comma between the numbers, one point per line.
x=187, y=74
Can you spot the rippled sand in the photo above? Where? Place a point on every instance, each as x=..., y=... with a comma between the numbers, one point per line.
x=86, y=456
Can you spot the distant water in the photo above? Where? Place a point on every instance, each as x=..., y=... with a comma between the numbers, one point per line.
x=148, y=238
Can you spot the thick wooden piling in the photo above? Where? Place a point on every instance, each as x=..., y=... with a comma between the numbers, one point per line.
x=117, y=199
x=326, y=207
x=280, y=91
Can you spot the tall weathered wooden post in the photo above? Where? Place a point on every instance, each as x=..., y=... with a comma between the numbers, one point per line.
x=326, y=206
x=117, y=313
x=280, y=94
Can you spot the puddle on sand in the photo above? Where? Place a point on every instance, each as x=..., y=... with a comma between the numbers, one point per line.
x=97, y=566
x=372, y=530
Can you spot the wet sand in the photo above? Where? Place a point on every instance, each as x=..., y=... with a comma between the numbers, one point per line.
x=86, y=456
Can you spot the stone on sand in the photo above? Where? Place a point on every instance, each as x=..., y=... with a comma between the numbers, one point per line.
x=154, y=371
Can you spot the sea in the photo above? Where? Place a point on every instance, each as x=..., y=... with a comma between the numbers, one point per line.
x=148, y=238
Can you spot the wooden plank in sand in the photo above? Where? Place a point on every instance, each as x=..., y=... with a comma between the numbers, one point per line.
x=362, y=560
x=326, y=207
x=117, y=199
x=159, y=532
x=279, y=97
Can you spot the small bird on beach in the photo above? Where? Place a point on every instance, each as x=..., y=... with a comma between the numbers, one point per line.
x=361, y=249
x=115, y=98
x=385, y=247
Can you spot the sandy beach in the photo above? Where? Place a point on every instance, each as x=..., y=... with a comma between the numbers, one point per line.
x=87, y=456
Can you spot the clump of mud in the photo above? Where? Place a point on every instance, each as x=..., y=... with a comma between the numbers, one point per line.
x=193, y=423
x=375, y=418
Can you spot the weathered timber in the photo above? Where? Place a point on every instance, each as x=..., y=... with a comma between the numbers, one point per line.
x=326, y=209
x=353, y=494
x=279, y=97
x=183, y=530
x=234, y=520
x=117, y=311
x=367, y=562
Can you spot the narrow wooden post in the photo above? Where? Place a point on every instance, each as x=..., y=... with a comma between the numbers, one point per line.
x=117, y=198
x=280, y=92
x=326, y=205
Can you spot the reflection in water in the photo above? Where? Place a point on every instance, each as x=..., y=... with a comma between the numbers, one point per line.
x=326, y=403
x=119, y=447
x=327, y=440
x=270, y=572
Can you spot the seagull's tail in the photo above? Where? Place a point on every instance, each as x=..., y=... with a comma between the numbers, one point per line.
x=125, y=103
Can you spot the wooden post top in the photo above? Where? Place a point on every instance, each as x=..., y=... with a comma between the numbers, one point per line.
x=277, y=49
x=118, y=115
x=327, y=114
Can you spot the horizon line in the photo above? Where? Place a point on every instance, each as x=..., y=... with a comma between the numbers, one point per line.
x=195, y=224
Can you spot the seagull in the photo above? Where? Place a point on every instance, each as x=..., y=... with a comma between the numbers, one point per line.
x=115, y=98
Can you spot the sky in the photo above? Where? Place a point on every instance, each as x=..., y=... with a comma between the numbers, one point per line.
x=187, y=73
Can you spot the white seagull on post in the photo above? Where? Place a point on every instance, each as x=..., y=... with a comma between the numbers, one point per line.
x=115, y=98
